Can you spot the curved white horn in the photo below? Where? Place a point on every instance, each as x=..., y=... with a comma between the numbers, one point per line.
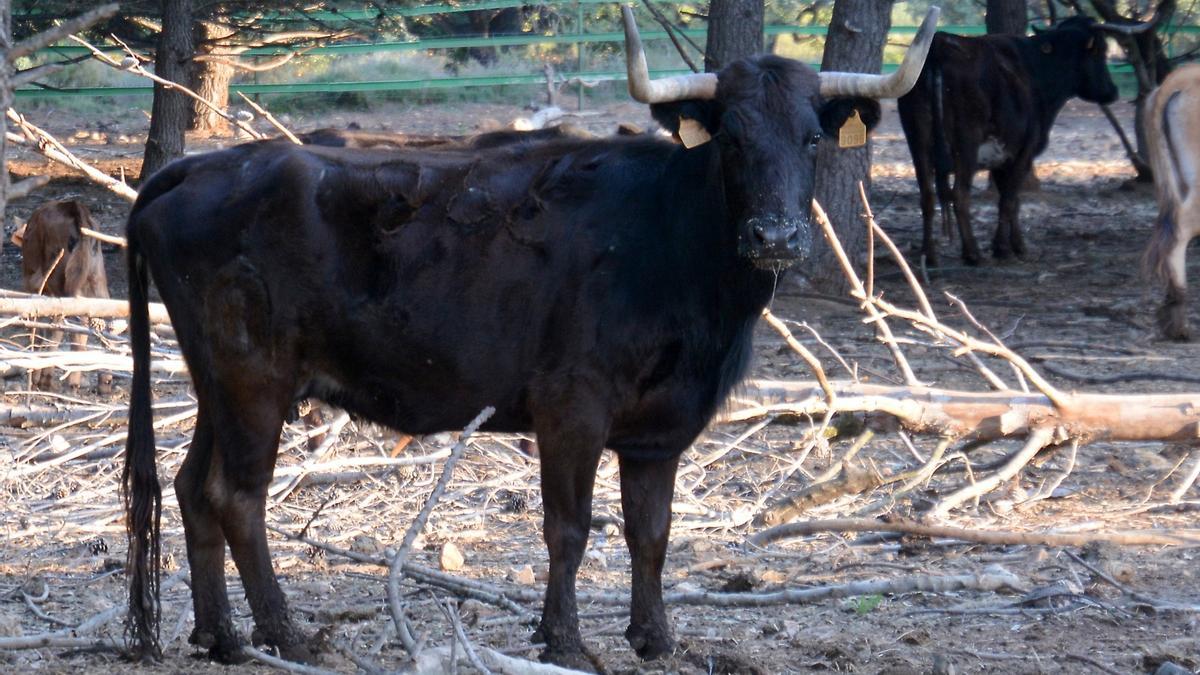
x=886, y=86
x=642, y=88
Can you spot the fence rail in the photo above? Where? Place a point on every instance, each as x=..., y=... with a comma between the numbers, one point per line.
x=581, y=39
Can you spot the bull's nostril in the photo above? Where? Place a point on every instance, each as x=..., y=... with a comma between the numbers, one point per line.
x=760, y=233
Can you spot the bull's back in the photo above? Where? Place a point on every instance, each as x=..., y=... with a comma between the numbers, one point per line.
x=412, y=292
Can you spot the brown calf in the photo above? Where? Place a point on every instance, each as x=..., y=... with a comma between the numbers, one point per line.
x=57, y=259
x=1172, y=115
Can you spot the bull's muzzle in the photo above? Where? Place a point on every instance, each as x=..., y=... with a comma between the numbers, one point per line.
x=777, y=241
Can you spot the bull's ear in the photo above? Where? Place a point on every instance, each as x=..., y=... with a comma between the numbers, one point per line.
x=835, y=112
x=694, y=116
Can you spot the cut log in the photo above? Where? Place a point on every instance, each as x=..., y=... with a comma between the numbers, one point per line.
x=36, y=306
x=989, y=415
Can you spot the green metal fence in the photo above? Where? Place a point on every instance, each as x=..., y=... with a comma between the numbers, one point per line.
x=580, y=37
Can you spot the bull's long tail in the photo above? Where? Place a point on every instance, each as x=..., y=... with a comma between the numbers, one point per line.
x=139, y=479
x=1170, y=189
x=941, y=149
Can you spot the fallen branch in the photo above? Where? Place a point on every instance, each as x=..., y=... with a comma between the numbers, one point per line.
x=994, y=538
x=30, y=306
x=988, y=415
x=396, y=566
x=49, y=146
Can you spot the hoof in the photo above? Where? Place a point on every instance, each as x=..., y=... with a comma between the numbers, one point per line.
x=225, y=647
x=581, y=660
x=293, y=646
x=650, y=642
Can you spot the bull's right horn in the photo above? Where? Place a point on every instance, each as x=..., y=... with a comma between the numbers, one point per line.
x=886, y=86
x=667, y=89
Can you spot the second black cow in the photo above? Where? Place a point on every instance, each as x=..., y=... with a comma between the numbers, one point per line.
x=988, y=103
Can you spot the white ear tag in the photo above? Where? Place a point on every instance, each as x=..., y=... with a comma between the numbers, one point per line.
x=853, y=133
x=692, y=133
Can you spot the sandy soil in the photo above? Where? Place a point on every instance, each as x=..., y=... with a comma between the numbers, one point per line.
x=1076, y=306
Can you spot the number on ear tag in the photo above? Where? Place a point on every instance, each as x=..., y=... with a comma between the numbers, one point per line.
x=853, y=133
x=692, y=133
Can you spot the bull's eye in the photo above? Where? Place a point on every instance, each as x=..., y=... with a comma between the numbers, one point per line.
x=814, y=139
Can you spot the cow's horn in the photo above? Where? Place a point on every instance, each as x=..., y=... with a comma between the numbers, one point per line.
x=886, y=86
x=642, y=88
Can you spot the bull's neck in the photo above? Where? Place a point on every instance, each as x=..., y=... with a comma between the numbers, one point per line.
x=1050, y=89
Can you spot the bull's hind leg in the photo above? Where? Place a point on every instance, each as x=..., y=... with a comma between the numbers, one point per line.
x=569, y=452
x=205, y=549
x=646, y=491
x=247, y=426
x=1008, y=240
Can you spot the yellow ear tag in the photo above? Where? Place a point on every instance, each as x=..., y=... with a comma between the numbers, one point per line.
x=692, y=133
x=853, y=133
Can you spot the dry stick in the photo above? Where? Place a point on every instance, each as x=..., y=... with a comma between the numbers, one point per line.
x=106, y=238
x=451, y=611
x=30, y=306
x=1047, y=488
x=1039, y=438
x=671, y=33
x=966, y=311
x=1189, y=480
x=915, y=285
x=283, y=664
x=803, y=351
x=1139, y=164
x=270, y=118
x=991, y=537
x=53, y=266
x=282, y=488
x=860, y=293
x=72, y=637
x=1156, y=603
x=49, y=146
x=395, y=568
x=133, y=65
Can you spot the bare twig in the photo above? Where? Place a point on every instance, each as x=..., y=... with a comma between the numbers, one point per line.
x=992, y=537
x=396, y=566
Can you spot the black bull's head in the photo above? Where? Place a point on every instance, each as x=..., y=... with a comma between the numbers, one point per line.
x=767, y=115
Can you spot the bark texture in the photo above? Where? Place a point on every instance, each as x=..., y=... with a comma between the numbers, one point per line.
x=854, y=44
x=1006, y=17
x=212, y=77
x=171, y=111
x=735, y=30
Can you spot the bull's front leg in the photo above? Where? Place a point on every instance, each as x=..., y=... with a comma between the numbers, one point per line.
x=569, y=453
x=646, y=492
x=1009, y=240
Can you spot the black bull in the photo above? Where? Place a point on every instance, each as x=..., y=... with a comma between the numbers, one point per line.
x=989, y=102
x=601, y=293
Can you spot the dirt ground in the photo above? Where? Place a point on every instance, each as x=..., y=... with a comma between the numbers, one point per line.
x=1077, y=308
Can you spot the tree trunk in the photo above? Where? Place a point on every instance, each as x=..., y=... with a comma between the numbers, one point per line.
x=5, y=100
x=171, y=111
x=212, y=78
x=735, y=30
x=1006, y=17
x=854, y=44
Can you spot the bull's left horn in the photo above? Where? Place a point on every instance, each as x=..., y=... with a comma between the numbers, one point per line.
x=886, y=86
x=667, y=89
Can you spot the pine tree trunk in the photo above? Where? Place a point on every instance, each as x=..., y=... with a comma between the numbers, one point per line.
x=854, y=44
x=1006, y=17
x=212, y=79
x=735, y=30
x=5, y=100
x=171, y=111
